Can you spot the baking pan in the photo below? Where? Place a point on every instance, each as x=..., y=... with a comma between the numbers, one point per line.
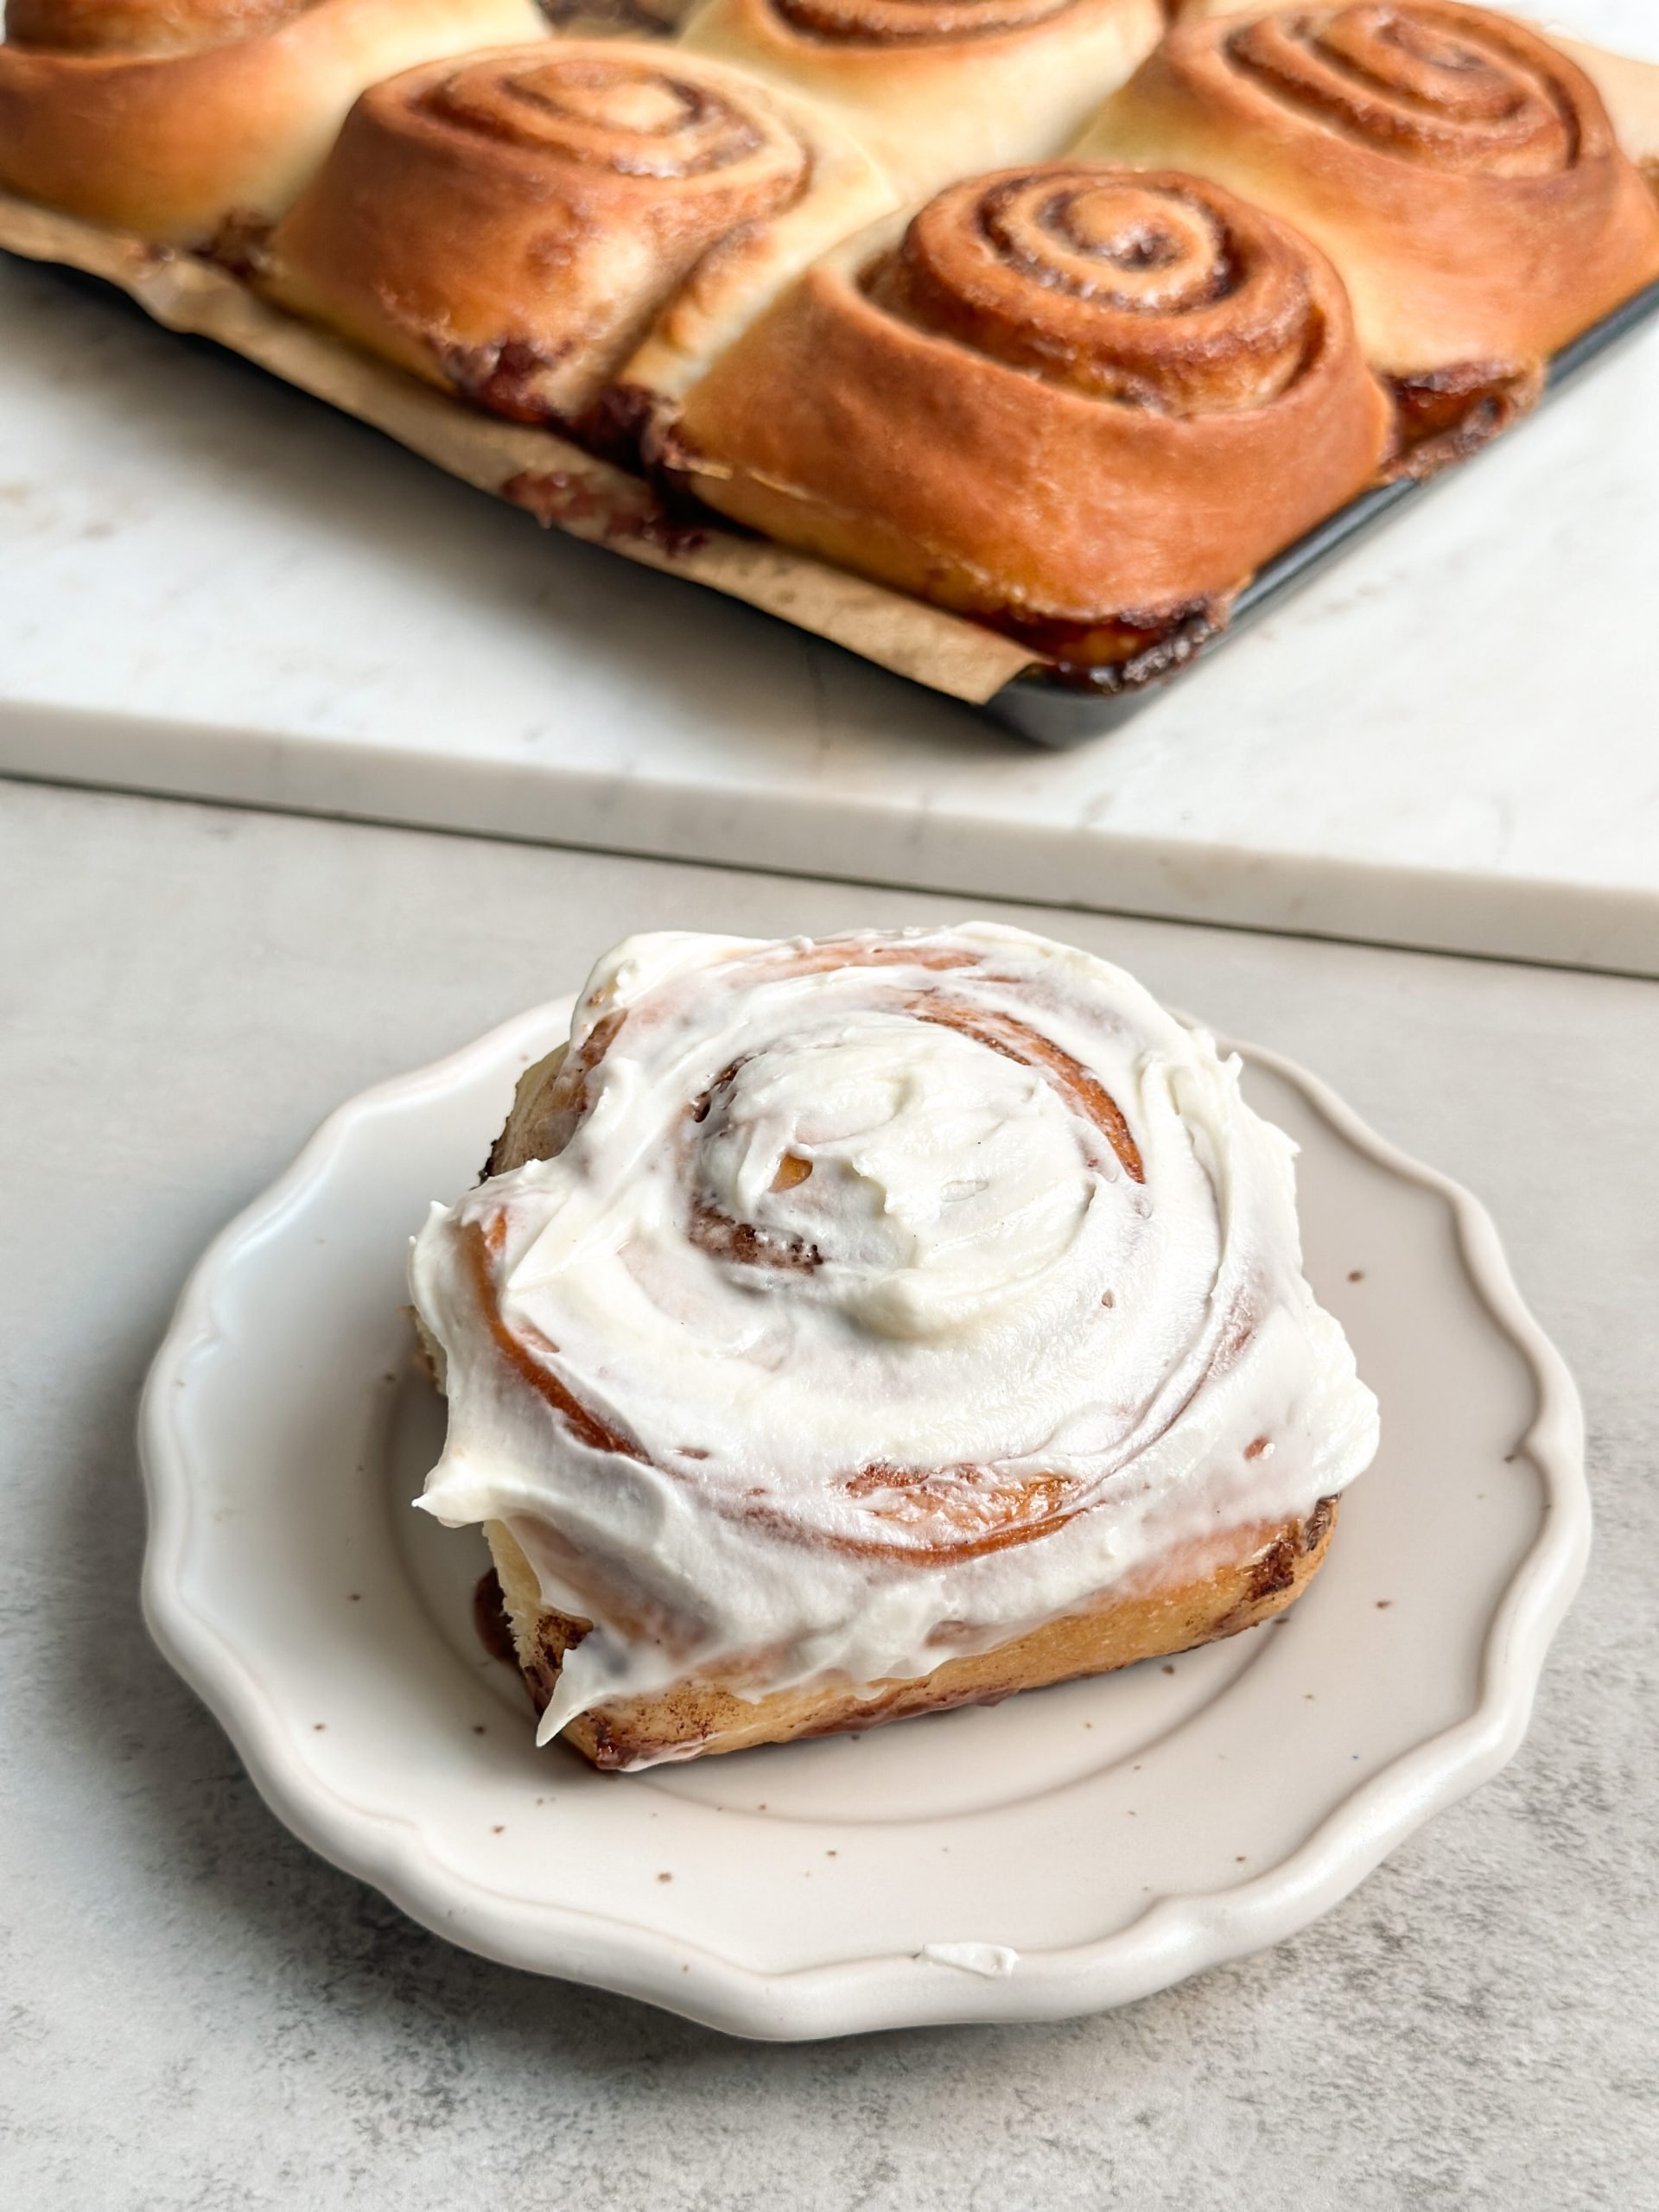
x=1056, y=714
x=567, y=487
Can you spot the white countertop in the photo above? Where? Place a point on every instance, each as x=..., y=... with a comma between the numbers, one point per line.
x=215, y=586
x=201, y=2015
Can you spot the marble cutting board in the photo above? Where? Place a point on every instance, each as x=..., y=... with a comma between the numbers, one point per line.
x=214, y=587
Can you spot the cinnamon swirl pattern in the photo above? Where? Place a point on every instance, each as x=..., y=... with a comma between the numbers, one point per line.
x=1079, y=401
x=938, y=88
x=1461, y=172
x=179, y=120
x=843, y=1308
x=516, y=225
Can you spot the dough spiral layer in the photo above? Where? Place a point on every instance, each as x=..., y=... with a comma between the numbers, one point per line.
x=176, y=118
x=904, y=23
x=840, y=1306
x=513, y=225
x=937, y=88
x=1077, y=401
x=1460, y=171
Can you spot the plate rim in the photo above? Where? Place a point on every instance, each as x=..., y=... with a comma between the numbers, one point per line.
x=1176, y=1937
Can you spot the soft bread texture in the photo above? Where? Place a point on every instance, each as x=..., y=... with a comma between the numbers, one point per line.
x=176, y=118
x=1233, y=1585
x=940, y=88
x=516, y=224
x=1459, y=170
x=1073, y=401
x=1630, y=92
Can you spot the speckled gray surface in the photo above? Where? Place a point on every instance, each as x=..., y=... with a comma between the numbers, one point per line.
x=199, y=2014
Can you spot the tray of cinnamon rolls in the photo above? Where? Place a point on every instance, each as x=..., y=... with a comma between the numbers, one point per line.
x=1030, y=348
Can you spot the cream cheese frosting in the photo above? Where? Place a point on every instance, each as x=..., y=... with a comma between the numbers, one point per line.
x=887, y=1298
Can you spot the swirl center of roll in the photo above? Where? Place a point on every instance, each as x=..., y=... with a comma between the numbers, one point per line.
x=921, y=1179
x=1147, y=287
x=913, y=22
x=1421, y=82
x=147, y=28
x=622, y=114
x=1120, y=244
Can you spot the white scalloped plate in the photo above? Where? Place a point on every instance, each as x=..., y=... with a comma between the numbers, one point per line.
x=1066, y=1851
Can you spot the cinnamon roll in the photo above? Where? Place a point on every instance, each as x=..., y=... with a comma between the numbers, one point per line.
x=940, y=88
x=852, y=1329
x=529, y=227
x=1459, y=170
x=176, y=119
x=1080, y=403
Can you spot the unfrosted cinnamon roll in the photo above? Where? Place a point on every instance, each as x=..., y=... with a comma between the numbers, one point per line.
x=174, y=118
x=857, y=1328
x=940, y=88
x=1081, y=403
x=1459, y=170
x=1630, y=92
x=516, y=225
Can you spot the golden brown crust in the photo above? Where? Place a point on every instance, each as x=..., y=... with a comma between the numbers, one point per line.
x=1252, y=1575
x=937, y=88
x=1066, y=397
x=511, y=225
x=1459, y=170
x=172, y=120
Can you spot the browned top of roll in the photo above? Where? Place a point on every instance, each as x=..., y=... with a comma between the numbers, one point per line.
x=589, y=112
x=1072, y=390
x=142, y=27
x=512, y=223
x=1443, y=85
x=1150, y=290
x=195, y=122
x=1459, y=170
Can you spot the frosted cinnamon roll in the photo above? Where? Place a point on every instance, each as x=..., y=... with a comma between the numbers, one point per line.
x=1459, y=170
x=177, y=118
x=518, y=225
x=855, y=1328
x=940, y=88
x=1081, y=403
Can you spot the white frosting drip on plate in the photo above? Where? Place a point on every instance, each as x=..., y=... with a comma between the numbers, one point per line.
x=889, y=1299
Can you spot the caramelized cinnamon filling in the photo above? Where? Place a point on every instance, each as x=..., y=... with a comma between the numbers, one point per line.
x=741, y=1242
